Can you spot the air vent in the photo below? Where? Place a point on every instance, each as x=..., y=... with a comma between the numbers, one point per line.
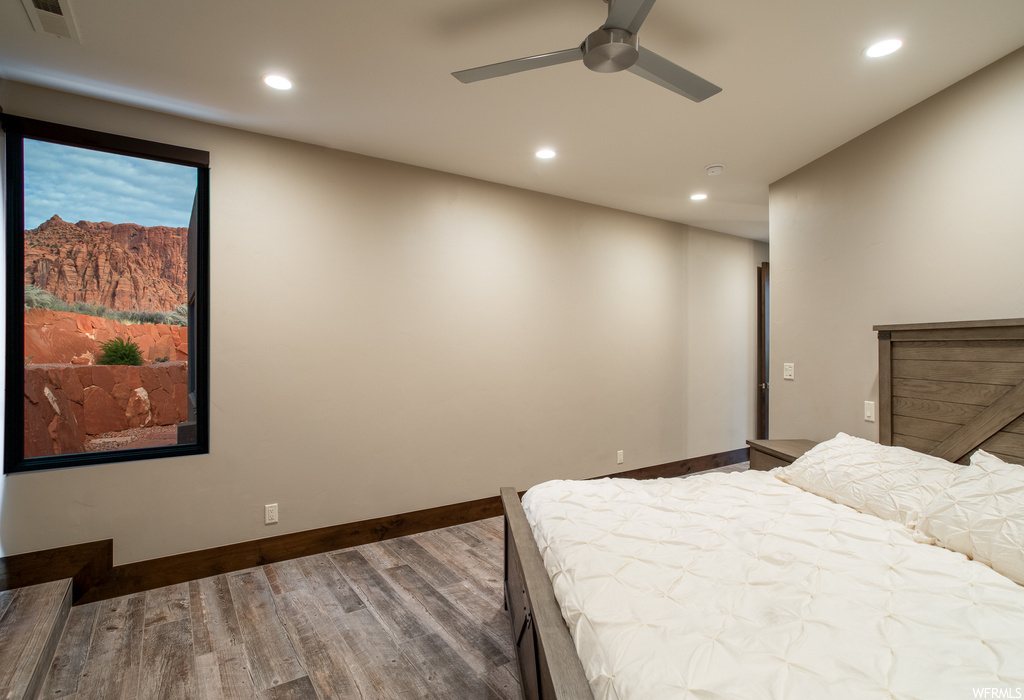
x=51, y=6
x=52, y=17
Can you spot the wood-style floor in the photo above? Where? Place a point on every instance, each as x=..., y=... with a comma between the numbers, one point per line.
x=414, y=617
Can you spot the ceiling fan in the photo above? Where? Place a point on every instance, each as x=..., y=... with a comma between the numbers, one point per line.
x=610, y=49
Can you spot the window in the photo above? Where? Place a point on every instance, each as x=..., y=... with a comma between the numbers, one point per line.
x=107, y=346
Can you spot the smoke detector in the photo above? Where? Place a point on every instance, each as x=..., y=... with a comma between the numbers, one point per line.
x=715, y=169
x=52, y=17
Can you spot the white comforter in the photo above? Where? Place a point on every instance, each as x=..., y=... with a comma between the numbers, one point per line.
x=738, y=586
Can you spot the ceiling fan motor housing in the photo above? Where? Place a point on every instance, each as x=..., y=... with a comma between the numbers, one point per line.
x=610, y=50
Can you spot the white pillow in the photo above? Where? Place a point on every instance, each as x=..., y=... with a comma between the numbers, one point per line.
x=982, y=515
x=981, y=458
x=893, y=483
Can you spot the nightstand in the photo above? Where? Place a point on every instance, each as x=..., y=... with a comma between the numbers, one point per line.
x=768, y=454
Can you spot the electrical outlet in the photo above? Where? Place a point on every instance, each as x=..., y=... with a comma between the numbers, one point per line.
x=619, y=457
x=788, y=370
x=270, y=513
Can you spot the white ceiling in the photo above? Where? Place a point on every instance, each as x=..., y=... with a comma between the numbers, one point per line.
x=373, y=77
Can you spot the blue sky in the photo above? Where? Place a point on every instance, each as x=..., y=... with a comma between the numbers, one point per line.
x=77, y=184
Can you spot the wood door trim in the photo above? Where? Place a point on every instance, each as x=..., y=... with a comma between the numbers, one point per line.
x=762, y=389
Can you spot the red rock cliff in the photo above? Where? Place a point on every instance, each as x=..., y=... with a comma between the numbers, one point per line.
x=122, y=266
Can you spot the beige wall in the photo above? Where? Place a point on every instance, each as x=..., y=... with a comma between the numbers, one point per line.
x=920, y=219
x=722, y=362
x=425, y=339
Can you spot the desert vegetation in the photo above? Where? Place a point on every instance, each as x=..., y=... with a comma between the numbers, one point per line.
x=38, y=298
x=118, y=351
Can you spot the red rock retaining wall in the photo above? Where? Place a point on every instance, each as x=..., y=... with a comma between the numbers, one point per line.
x=66, y=405
x=64, y=337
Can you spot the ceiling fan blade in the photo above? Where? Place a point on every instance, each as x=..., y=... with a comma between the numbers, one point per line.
x=627, y=14
x=663, y=72
x=519, y=65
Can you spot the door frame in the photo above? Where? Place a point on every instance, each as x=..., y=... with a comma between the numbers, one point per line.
x=763, y=306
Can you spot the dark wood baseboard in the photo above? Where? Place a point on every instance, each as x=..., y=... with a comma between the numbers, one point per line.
x=85, y=564
x=178, y=568
x=685, y=466
x=95, y=579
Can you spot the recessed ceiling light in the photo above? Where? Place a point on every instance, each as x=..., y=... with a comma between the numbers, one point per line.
x=698, y=197
x=545, y=154
x=883, y=48
x=278, y=82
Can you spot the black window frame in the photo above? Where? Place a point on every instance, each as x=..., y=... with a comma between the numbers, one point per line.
x=15, y=130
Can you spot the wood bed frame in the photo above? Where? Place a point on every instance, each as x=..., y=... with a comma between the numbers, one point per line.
x=947, y=389
x=548, y=665
x=944, y=389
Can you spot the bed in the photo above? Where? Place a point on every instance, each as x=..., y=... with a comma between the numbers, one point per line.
x=863, y=570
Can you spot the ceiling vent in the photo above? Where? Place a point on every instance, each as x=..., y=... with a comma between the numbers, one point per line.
x=52, y=17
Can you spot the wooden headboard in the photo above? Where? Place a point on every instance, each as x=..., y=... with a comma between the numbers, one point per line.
x=949, y=388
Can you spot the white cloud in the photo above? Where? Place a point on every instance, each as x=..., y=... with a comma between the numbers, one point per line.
x=77, y=184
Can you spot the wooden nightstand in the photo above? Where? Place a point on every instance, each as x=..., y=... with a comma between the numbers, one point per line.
x=768, y=454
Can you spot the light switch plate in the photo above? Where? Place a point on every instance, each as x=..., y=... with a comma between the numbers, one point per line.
x=788, y=370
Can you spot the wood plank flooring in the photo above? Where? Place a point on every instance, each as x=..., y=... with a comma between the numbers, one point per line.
x=31, y=620
x=413, y=617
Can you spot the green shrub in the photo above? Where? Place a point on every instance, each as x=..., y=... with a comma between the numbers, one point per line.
x=120, y=352
x=148, y=317
x=38, y=298
x=178, y=317
x=87, y=309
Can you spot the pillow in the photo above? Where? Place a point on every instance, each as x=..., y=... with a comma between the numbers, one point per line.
x=982, y=515
x=981, y=458
x=893, y=483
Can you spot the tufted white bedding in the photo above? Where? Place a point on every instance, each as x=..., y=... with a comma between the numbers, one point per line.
x=738, y=586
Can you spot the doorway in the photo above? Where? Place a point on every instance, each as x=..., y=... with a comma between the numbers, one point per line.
x=762, y=352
